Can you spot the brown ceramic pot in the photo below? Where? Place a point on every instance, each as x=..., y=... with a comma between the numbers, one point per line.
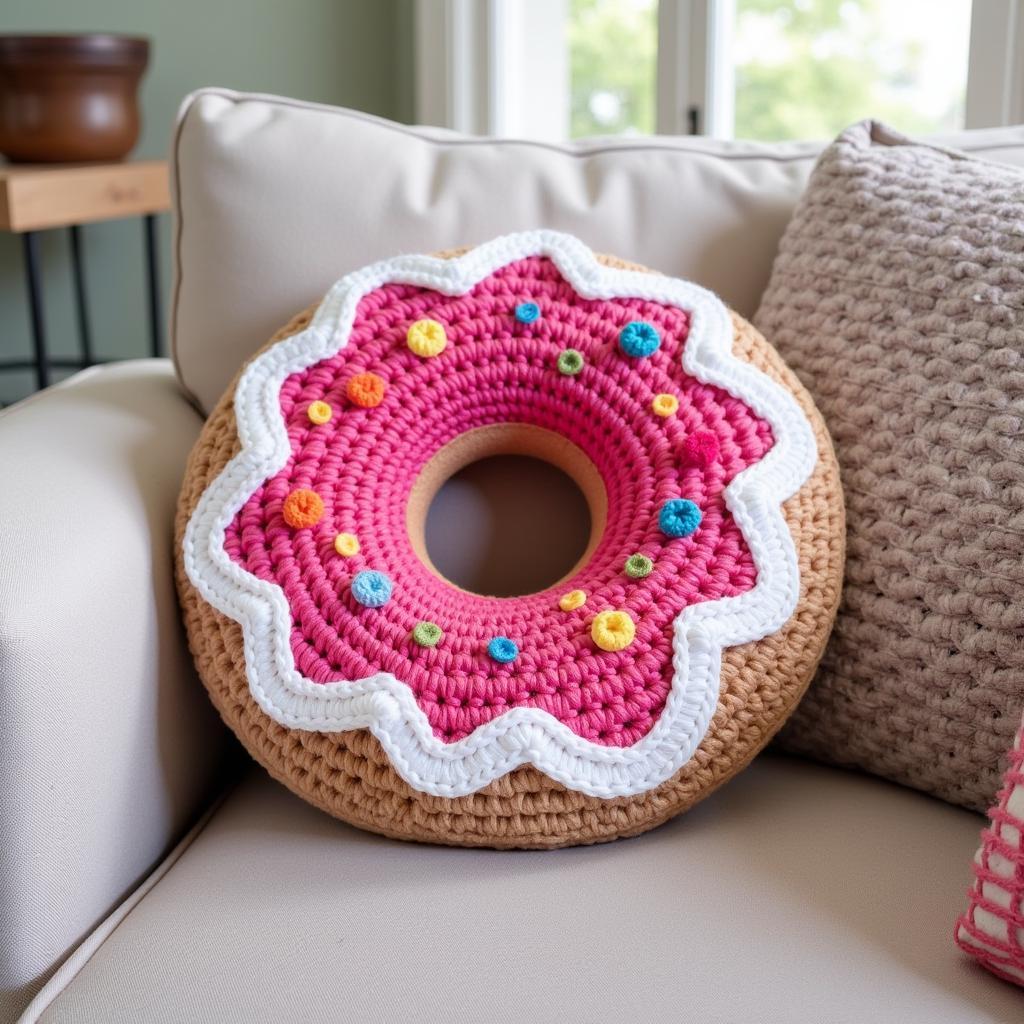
x=69, y=98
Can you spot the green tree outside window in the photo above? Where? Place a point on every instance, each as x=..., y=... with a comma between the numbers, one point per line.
x=804, y=68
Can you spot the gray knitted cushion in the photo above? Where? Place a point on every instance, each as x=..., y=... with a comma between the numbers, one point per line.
x=898, y=298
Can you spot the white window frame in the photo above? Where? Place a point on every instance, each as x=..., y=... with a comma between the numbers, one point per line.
x=492, y=67
x=694, y=92
x=499, y=67
x=995, y=68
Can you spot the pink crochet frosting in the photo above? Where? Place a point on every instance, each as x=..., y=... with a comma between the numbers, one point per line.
x=497, y=369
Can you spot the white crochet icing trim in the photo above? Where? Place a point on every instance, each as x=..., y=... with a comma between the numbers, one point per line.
x=386, y=706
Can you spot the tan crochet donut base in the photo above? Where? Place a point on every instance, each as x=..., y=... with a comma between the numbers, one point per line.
x=348, y=775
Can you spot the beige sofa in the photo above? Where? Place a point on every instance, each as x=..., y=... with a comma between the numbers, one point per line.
x=148, y=874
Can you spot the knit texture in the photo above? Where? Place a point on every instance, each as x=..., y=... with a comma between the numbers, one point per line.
x=897, y=298
x=348, y=774
x=992, y=929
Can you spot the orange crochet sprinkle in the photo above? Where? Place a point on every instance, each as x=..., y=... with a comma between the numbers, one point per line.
x=366, y=390
x=302, y=508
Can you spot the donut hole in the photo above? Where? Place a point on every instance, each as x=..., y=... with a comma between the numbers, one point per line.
x=507, y=510
x=507, y=525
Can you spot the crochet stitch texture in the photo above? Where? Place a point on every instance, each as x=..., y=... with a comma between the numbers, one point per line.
x=785, y=680
x=498, y=370
x=898, y=298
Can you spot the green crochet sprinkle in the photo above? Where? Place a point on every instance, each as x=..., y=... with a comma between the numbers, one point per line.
x=427, y=634
x=638, y=566
x=570, y=362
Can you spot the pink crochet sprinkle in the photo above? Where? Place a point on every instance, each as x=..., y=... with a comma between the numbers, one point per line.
x=497, y=369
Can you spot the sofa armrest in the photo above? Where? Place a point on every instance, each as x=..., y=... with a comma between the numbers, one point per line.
x=108, y=745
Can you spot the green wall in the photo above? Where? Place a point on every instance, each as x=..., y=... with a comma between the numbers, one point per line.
x=354, y=53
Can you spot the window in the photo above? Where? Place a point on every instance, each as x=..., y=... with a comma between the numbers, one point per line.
x=808, y=68
x=757, y=69
x=613, y=59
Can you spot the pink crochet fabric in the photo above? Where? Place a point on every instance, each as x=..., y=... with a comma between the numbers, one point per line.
x=993, y=927
x=497, y=369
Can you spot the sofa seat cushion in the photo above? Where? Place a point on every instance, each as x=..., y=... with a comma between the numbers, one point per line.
x=798, y=893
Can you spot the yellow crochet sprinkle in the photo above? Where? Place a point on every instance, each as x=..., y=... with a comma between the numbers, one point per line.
x=665, y=405
x=319, y=412
x=612, y=631
x=426, y=338
x=346, y=544
x=573, y=600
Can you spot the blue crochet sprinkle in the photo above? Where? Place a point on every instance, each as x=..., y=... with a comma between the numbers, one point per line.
x=371, y=588
x=679, y=517
x=639, y=339
x=527, y=312
x=502, y=649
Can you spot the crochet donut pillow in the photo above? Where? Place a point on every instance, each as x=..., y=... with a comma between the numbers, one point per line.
x=386, y=695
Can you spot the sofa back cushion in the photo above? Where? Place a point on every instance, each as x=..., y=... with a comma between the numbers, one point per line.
x=277, y=199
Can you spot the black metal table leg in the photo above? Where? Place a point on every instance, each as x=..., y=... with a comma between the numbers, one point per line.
x=153, y=281
x=81, y=303
x=33, y=279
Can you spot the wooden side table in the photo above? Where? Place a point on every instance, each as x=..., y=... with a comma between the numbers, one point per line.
x=36, y=198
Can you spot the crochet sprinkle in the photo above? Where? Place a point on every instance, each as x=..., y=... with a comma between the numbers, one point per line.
x=427, y=634
x=613, y=631
x=302, y=508
x=346, y=544
x=665, y=405
x=638, y=567
x=570, y=362
x=371, y=588
x=679, y=517
x=427, y=338
x=700, y=449
x=639, y=339
x=319, y=413
x=503, y=650
x=365, y=390
x=527, y=312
